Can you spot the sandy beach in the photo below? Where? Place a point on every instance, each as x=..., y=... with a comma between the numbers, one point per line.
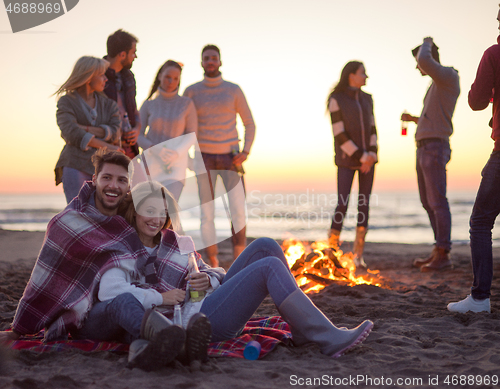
x=416, y=342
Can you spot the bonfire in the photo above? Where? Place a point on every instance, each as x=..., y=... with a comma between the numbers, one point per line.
x=317, y=265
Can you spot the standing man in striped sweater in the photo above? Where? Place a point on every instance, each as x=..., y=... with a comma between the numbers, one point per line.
x=217, y=103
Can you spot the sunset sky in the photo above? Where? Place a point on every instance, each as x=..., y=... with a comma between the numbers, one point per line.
x=286, y=56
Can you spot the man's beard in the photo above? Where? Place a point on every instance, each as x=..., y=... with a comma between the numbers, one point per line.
x=126, y=65
x=213, y=74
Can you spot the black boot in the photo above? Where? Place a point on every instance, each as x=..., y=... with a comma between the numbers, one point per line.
x=198, y=335
x=160, y=342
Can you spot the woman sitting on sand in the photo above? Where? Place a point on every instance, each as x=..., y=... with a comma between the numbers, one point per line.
x=127, y=294
x=353, y=126
x=261, y=269
x=88, y=121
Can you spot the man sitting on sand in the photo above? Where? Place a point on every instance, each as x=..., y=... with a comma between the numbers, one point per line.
x=81, y=243
x=75, y=238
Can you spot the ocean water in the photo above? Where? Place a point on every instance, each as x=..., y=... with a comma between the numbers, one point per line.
x=394, y=217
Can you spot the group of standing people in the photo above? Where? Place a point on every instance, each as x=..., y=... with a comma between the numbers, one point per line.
x=355, y=137
x=89, y=120
x=356, y=150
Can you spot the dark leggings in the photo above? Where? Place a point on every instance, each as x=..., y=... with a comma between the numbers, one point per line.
x=345, y=177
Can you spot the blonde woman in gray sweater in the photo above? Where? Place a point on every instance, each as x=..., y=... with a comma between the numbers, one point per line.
x=166, y=120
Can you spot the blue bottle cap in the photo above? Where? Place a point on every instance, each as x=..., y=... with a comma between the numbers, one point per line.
x=252, y=350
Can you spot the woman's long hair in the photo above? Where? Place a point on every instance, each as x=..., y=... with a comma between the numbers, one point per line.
x=140, y=193
x=350, y=68
x=85, y=68
x=156, y=82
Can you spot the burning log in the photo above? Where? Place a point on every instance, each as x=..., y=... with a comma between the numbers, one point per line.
x=319, y=280
x=341, y=273
x=312, y=257
x=308, y=286
x=299, y=263
x=331, y=256
x=319, y=265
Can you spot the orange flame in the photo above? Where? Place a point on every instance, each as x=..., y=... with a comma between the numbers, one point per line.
x=321, y=265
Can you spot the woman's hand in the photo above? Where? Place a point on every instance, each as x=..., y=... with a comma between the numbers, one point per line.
x=365, y=167
x=99, y=144
x=6, y=336
x=174, y=296
x=199, y=281
x=168, y=156
x=368, y=164
x=132, y=135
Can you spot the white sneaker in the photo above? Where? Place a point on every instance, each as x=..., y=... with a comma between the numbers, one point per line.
x=470, y=304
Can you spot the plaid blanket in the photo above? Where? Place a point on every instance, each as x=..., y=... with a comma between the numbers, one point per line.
x=80, y=245
x=268, y=331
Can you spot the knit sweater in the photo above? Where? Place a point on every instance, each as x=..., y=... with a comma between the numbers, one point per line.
x=76, y=153
x=217, y=102
x=440, y=99
x=167, y=116
x=487, y=86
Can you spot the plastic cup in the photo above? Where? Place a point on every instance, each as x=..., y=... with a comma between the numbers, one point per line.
x=252, y=350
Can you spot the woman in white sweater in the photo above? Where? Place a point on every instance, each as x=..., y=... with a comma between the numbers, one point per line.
x=129, y=291
x=168, y=118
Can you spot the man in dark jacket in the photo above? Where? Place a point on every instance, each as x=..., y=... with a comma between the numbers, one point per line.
x=486, y=208
x=121, y=86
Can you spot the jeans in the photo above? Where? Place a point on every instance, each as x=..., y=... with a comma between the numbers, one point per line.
x=431, y=175
x=485, y=211
x=221, y=165
x=261, y=269
x=72, y=180
x=118, y=319
x=345, y=176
